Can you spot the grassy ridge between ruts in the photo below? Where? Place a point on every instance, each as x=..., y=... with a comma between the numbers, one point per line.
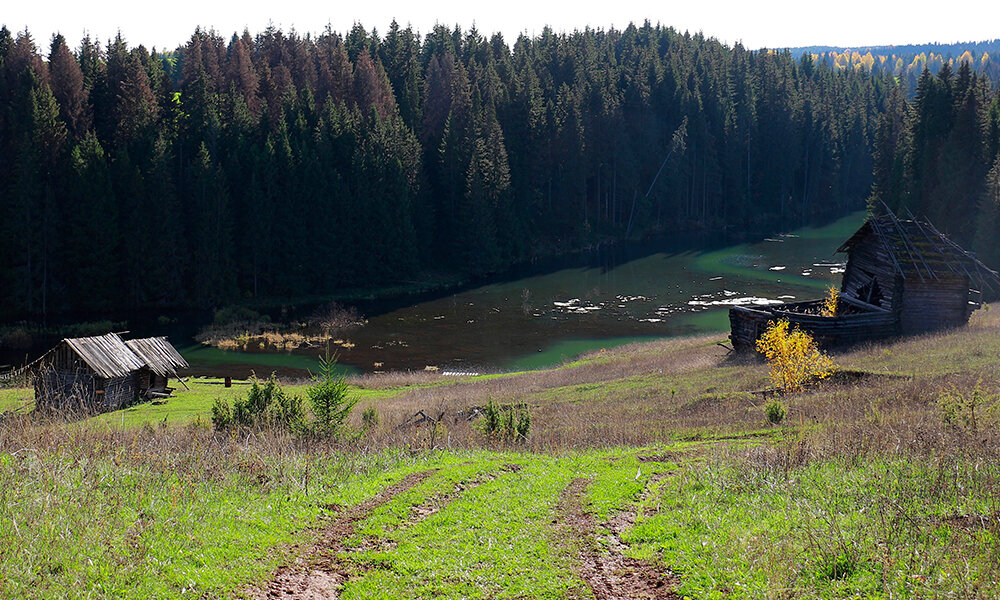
x=885, y=484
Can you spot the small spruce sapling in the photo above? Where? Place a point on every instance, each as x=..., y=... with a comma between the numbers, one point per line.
x=369, y=418
x=775, y=412
x=328, y=397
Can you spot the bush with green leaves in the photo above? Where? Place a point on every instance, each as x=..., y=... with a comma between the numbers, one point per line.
x=268, y=405
x=265, y=405
x=505, y=423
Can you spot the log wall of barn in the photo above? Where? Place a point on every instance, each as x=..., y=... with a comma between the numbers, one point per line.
x=57, y=388
x=869, y=259
x=935, y=304
x=120, y=392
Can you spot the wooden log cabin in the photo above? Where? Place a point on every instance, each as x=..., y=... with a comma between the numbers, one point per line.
x=103, y=372
x=903, y=277
x=160, y=362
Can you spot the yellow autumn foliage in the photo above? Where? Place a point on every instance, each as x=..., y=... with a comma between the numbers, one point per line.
x=793, y=356
x=830, y=302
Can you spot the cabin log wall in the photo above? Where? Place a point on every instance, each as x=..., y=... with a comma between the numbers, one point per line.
x=870, y=259
x=59, y=388
x=749, y=324
x=932, y=305
x=120, y=392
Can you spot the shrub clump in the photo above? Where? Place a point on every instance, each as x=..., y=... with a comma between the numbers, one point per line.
x=265, y=405
x=505, y=423
x=268, y=405
x=793, y=356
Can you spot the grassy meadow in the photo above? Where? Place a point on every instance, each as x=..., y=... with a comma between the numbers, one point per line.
x=647, y=461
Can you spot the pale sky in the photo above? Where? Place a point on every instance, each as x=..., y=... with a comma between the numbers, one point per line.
x=756, y=23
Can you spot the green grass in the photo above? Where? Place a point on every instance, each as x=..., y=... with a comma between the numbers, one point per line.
x=494, y=540
x=128, y=523
x=164, y=523
x=193, y=405
x=17, y=399
x=824, y=530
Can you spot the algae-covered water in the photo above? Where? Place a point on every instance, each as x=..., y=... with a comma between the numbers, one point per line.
x=607, y=298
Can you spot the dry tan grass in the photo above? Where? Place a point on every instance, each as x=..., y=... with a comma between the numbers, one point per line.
x=629, y=395
x=648, y=393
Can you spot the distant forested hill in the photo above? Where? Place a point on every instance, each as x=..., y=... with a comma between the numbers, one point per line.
x=908, y=61
x=276, y=164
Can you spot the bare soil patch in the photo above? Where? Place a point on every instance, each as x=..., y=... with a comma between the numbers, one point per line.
x=317, y=573
x=610, y=574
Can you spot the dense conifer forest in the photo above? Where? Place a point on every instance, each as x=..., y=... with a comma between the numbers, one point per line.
x=279, y=164
x=939, y=157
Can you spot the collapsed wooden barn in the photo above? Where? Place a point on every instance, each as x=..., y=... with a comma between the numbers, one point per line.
x=103, y=372
x=903, y=277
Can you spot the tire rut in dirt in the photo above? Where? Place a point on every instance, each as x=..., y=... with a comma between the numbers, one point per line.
x=610, y=574
x=317, y=573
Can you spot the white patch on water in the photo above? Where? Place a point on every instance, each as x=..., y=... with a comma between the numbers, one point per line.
x=622, y=298
x=573, y=306
x=777, y=268
x=746, y=300
x=568, y=303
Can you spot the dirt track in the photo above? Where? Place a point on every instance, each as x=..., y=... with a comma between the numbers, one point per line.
x=317, y=573
x=609, y=573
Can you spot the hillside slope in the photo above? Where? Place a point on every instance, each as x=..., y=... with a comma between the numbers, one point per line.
x=650, y=471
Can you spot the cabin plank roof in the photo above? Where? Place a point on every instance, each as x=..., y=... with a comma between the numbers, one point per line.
x=106, y=354
x=158, y=354
x=918, y=249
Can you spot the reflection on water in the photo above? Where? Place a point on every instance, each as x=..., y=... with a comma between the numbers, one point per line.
x=543, y=319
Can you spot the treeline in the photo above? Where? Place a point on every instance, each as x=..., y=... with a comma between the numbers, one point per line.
x=906, y=63
x=287, y=165
x=939, y=157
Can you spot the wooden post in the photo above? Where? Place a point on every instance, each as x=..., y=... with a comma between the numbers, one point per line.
x=229, y=381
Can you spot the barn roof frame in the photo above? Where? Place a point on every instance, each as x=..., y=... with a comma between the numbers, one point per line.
x=917, y=248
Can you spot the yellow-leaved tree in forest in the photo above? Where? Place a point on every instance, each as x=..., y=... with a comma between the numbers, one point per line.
x=793, y=356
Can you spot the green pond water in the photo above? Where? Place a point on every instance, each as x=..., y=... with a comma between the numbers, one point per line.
x=544, y=319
